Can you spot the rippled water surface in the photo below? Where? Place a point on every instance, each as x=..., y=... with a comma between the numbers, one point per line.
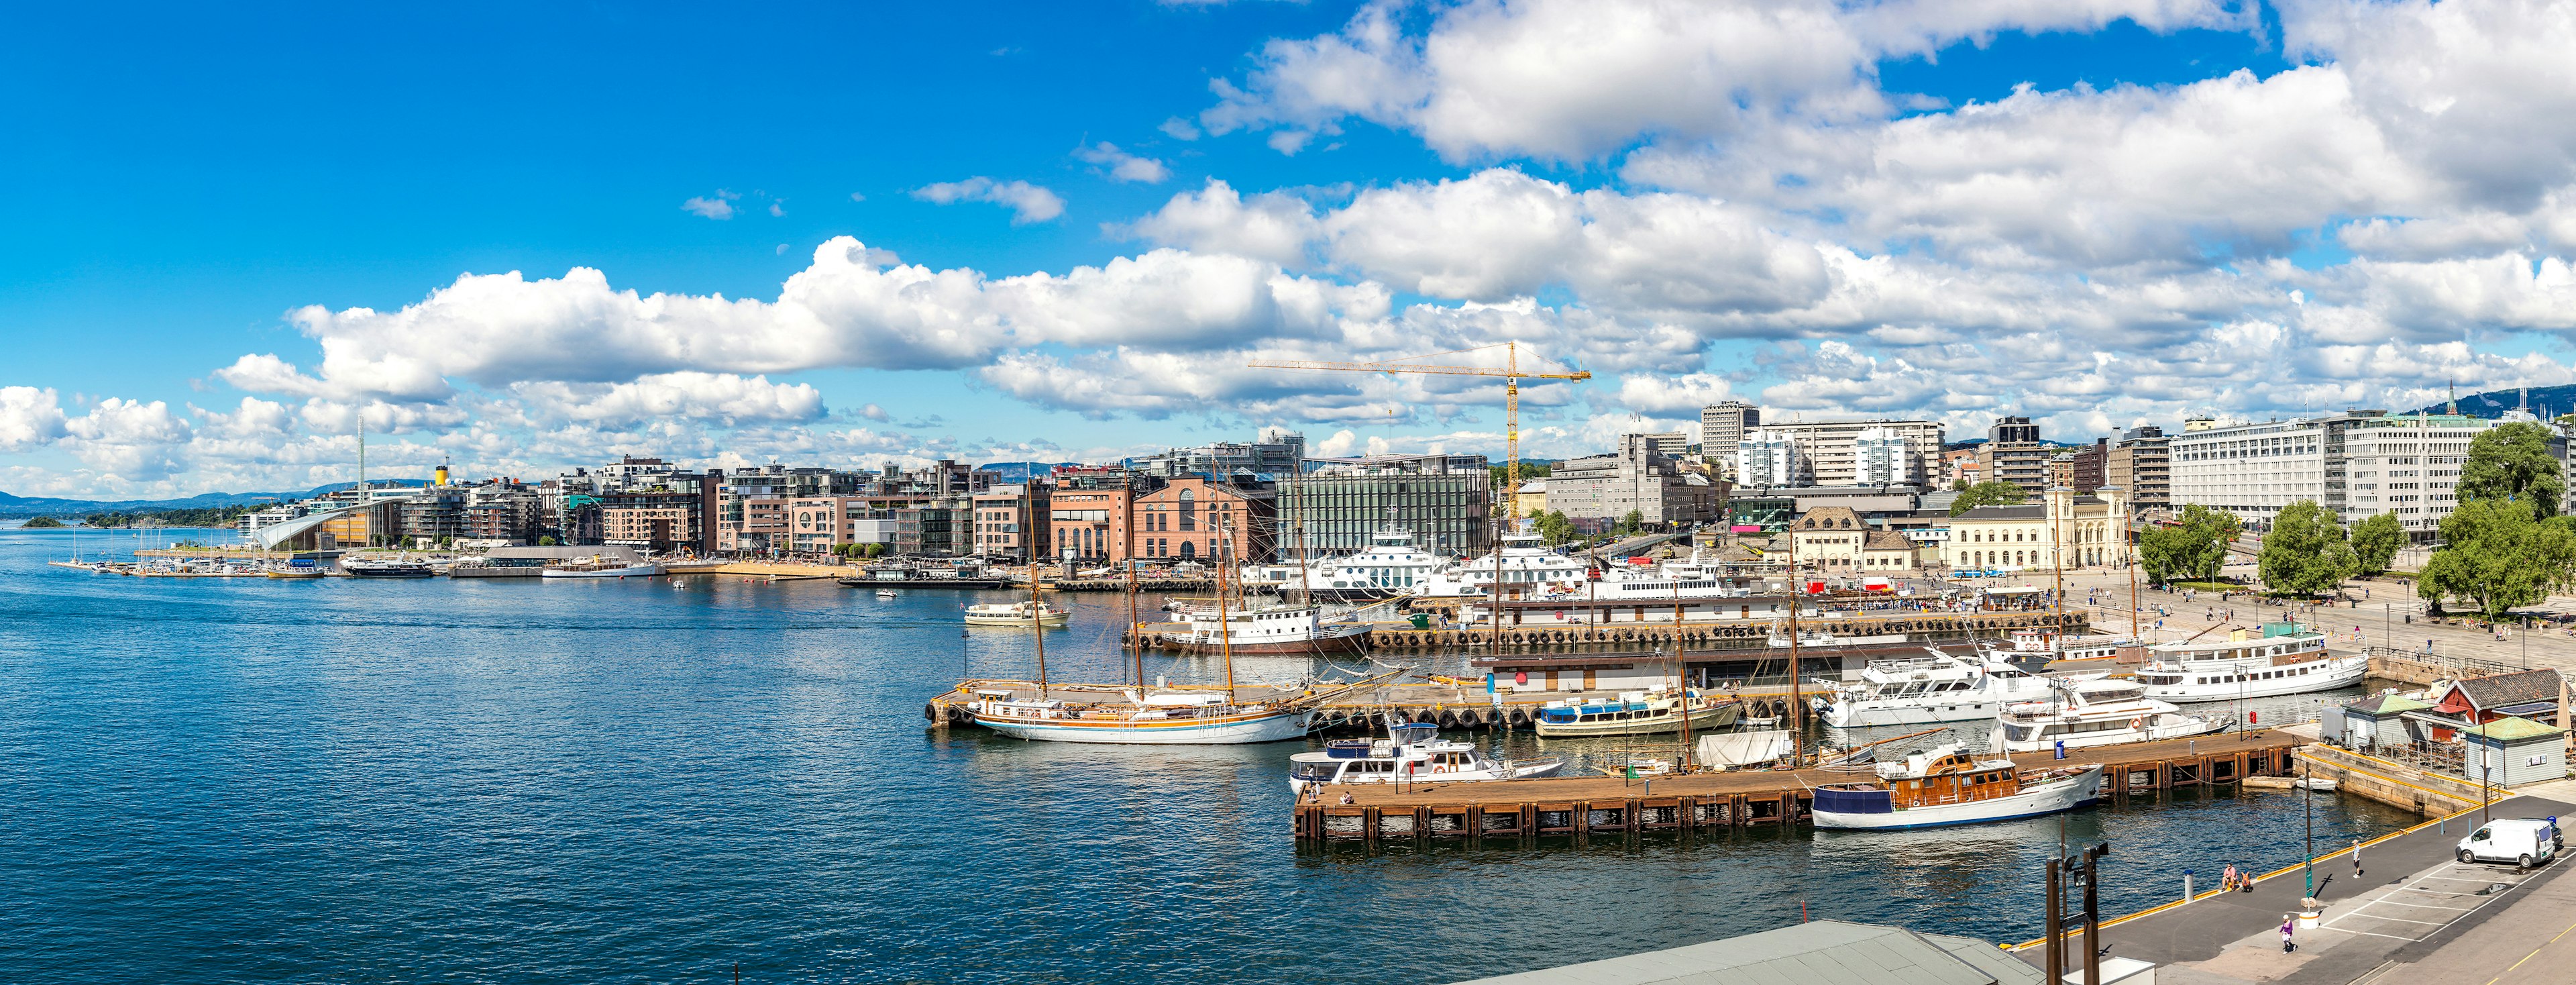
x=649, y=780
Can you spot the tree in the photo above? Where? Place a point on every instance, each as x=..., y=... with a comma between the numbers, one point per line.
x=2375, y=542
x=2512, y=461
x=2192, y=550
x=1992, y=492
x=1554, y=527
x=42, y=523
x=2307, y=552
x=546, y=540
x=2498, y=556
x=1633, y=522
x=1959, y=485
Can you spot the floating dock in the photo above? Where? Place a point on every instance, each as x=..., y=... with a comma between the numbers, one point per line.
x=1584, y=806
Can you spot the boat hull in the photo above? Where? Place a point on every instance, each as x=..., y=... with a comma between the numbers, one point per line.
x=374, y=573
x=1718, y=717
x=2122, y=737
x=1222, y=731
x=1351, y=644
x=629, y=571
x=2053, y=797
x=1847, y=716
x=1519, y=771
x=1053, y=621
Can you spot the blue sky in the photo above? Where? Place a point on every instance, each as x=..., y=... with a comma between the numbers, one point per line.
x=1819, y=231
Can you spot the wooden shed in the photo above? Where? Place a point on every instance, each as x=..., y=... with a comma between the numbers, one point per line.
x=2511, y=752
x=2378, y=721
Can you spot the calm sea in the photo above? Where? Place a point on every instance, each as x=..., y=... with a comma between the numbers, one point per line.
x=246, y=780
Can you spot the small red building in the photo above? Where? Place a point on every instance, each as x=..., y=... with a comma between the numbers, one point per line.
x=2479, y=700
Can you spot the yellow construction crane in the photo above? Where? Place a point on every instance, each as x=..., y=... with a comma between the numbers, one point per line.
x=1512, y=376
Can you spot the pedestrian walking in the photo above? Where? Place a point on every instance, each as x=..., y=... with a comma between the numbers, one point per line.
x=2287, y=923
x=2356, y=858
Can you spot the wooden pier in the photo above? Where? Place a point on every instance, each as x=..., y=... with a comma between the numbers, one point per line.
x=1709, y=635
x=1586, y=806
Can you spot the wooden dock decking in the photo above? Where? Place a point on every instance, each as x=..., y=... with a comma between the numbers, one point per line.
x=1589, y=805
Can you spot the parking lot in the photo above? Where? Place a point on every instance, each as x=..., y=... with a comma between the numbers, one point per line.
x=2426, y=902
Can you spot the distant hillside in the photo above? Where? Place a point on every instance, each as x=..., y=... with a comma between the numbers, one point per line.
x=26, y=506
x=2553, y=399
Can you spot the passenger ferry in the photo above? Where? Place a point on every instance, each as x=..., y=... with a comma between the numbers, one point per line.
x=1636, y=713
x=600, y=566
x=1411, y=753
x=2286, y=658
x=1277, y=629
x=1528, y=570
x=1925, y=690
x=2100, y=712
x=378, y=567
x=1015, y=614
x=1172, y=718
x=1391, y=566
x=1946, y=786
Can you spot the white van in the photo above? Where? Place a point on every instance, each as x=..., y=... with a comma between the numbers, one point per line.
x=2523, y=841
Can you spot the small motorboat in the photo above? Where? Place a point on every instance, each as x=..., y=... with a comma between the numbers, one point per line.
x=2321, y=784
x=888, y=593
x=1412, y=753
x=1637, y=713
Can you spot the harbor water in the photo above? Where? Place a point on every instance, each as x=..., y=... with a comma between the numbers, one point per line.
x=652, y=780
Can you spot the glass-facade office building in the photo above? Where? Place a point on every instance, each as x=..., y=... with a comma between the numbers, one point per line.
x=1444, y=501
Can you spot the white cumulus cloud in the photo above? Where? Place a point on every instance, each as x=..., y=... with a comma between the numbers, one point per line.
x=1028, y=203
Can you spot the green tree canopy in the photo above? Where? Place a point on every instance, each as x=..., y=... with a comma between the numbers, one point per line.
x=1633, y=522
x=43, y=523
x=2498, y=555
x=1554, y=527
x=2375, y=542
x=1992, y=492
x=2194, y=549
x=2307, y=552
x=2512, y=461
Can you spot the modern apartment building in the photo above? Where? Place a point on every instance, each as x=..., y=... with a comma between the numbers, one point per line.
x=2356, y=464
x=1769, y=461
x=1445, y=501
x=1670, y=444
x=1274, y=452
x=1828, y=452
x=1884, y=457
x=2142, y=463
x=2013, y=453
x=1722, y=427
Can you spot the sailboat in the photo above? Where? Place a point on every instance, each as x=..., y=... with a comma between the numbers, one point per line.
x=1181, y=716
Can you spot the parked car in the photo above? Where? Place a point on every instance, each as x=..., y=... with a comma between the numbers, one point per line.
x=2523, y=841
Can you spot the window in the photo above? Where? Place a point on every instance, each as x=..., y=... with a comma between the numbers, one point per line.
x=1189, y=510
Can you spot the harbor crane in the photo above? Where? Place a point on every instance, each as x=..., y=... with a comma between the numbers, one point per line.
x=1512, y=376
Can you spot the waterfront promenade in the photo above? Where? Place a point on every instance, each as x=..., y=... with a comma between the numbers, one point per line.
x=2415, y=915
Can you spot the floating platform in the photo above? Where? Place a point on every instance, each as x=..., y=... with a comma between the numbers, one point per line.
x=1584, y=806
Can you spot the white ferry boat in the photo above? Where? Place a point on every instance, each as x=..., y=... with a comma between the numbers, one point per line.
x=2099, y=712
x=1924, y=690
x=1527, y=569
x=1276, y=629
x=2286, y=658
x=1410, y=753
x=1637, y=713
x=1015, y=614
x=1391, y=566
x=1173, y=718
x=1946, y=786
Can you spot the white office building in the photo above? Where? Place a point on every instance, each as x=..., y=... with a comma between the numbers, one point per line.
x=1883, y=457
x=2356, y=464
x=1765, y=459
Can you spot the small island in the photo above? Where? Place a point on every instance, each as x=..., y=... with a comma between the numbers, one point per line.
x=43, y=523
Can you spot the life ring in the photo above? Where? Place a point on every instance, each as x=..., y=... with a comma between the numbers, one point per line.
x=2137, y=723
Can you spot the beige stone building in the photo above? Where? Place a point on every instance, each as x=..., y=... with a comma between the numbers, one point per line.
x=1836, y=540
x=2089, y=529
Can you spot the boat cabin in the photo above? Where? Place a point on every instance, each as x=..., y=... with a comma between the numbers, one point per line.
x=1954, y=777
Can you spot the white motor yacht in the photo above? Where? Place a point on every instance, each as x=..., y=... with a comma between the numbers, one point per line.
x=2285, y=658
x=1527, y=569
x=1273, y=629
x=2099, y=712
x=1924, y=690
x=1391, y=566
x=1409, y=753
